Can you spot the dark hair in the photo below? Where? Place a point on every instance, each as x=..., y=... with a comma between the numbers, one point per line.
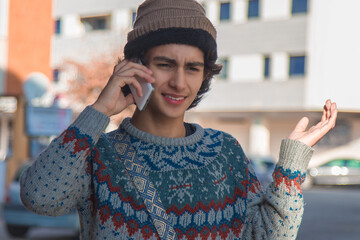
x=210, y=69
x=138, y=47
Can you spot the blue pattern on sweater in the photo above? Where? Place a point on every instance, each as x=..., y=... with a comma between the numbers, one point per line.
x=168, y=158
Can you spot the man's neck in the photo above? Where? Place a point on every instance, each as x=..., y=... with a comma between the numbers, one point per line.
x=159, y=126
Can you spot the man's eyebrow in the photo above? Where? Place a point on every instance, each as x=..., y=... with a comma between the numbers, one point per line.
x=173, y=61
x=166, y=59
x=195, y=64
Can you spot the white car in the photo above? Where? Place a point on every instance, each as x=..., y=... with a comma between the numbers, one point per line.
x=336, y=172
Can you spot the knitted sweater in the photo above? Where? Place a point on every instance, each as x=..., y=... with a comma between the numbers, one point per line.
x=205, y=182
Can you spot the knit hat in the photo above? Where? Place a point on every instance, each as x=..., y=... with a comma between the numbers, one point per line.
x=160, y=22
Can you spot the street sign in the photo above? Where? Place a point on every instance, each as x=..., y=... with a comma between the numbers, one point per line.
x=8, y=104
x=41, y=121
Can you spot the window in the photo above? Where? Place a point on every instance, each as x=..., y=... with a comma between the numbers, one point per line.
x=267, y=67
x=133, y=16
x=6, y=137
x=96, y=23
x=253, y=9
x=353, y=163
x=297, y=66
x=10, y=151
x=56, y=74
x=225, y=68
x=225, y=11
x=58, y=27
x=299, y=6
x=338, y=162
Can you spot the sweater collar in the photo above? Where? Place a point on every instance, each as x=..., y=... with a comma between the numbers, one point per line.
x=164, y=141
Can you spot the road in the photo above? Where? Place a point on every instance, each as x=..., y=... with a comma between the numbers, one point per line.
x=330, y=214
x=40, y=234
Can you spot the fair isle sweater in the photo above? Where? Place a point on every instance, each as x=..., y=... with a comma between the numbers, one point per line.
x=204, y=180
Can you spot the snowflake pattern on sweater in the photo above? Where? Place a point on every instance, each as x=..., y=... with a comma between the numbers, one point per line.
x=205, y=182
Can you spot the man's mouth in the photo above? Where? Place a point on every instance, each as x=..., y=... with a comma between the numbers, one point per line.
x=174, y=99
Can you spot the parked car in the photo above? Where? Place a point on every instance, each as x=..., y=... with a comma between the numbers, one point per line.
x=18, y=220
x=264, y=167
x=335, y=172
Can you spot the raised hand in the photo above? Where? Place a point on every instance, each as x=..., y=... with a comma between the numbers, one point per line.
x=318, y=131
x=111, y=100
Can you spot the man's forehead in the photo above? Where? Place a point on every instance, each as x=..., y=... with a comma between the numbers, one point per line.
x=176, y=52
x=199, y=62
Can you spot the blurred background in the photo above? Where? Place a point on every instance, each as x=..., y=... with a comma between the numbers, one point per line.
x=281, y=60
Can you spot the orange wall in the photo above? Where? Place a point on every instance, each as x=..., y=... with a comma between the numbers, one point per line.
x=30, y=29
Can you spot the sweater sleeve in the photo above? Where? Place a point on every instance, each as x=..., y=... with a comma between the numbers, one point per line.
x=276, y=212
x=58, y=179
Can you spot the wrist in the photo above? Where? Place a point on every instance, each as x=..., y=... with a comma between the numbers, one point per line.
x=98, y=107
x=294, y=154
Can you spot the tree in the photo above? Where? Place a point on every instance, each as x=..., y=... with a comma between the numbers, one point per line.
x=86, y=82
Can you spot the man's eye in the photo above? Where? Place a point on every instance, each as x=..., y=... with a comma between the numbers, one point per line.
x=163, y=65
x=194, y=69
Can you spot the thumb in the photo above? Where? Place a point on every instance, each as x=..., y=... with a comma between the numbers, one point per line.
x=302, y=125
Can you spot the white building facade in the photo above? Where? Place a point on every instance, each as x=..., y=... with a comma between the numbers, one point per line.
x=282, y=59
x=4, y=5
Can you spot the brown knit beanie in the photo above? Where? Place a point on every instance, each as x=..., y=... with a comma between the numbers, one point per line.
x=160, y=22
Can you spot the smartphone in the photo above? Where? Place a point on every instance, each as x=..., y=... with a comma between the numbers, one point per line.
x=147, y=90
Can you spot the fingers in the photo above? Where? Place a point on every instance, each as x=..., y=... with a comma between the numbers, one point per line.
x=318, y=131
x=127, y=72
x=302, y=125
x=328, y=108
x=328, y=119
x=129, y=100
x=333, y=115
x=330, y=111
x=130, y=69
x=299, y=129
x=131, y=81
x=323, y=117
x=111, y=100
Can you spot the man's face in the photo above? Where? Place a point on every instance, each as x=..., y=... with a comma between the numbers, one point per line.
x=178, y=71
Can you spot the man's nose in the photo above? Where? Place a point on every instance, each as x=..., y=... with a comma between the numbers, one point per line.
x=178, y=79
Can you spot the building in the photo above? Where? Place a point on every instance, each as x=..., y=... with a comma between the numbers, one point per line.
x=26, y=28
x=282, y=59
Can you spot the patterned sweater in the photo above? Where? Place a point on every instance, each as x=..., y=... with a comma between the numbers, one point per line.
x=204, y=180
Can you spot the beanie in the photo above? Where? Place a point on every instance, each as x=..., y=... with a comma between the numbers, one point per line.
x=160, y=22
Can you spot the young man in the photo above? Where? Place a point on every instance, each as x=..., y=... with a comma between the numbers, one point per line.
x=156, y=176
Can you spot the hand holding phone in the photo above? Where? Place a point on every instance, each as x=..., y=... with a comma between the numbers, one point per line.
x=147, y=90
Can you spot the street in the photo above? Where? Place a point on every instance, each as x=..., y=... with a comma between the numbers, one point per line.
x=40, y=234
x=330, y=214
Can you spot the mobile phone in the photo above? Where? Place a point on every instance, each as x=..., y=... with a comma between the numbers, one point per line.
x=147, y=90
